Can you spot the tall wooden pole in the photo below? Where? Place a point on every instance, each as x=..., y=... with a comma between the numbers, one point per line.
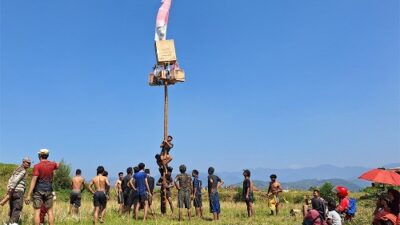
x=165, y=110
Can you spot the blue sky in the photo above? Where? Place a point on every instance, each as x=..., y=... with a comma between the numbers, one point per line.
x=271, y=84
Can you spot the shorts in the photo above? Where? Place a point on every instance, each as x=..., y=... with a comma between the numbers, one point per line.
x=100, y=199
x=140, y=197
x=214, y=203
x=75, y=198
x=184, y=199
x=197, y=202
x=167, y=194
x=42, y=198
x=120, y=198
x=127, y=198
x=250, y=199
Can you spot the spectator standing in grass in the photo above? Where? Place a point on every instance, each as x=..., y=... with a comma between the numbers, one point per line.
x=142, y=191
x=151, y=182
x=273, y=194
x=119, y=192
x=100, y=182
x=15, y=191
x=77, y=185
x=214, y=182
x=126, y=190
x=41, y=188
x=197, y=201
x=183, y=182
x=248, y=192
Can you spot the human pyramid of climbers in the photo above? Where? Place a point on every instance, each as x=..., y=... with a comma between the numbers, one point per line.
x=163, y=159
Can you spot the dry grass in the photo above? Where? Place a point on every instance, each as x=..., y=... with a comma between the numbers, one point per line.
x=232, y=213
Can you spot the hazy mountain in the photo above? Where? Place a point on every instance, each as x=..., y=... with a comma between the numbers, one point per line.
x=306, y=184
x=304, y=178
x=299, y=178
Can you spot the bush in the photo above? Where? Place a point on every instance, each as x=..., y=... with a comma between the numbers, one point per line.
x=62, y=178
x=239, y=195
x=326, y=191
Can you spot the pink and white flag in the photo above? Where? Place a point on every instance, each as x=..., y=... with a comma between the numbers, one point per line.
x=162, y=20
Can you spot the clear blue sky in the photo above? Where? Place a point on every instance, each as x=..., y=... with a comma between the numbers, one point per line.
x=269, y=83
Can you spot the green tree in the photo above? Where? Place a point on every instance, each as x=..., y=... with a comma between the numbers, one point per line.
x=62, y=178
x=326, y=191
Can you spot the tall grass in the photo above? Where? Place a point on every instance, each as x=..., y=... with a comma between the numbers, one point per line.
x=232, y=213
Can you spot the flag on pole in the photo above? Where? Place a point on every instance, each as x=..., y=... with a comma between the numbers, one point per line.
x=162, y=20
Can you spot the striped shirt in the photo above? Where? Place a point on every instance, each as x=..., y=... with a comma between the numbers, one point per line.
x=17, y=180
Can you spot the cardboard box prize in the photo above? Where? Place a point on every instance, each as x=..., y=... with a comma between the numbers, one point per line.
x=165, y=52
x=178, y=75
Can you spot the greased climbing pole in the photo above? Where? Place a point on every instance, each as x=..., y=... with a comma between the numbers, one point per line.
x=165, y=72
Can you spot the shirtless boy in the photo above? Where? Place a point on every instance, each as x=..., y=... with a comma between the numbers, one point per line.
x=119, y=192
x=100, y=183
x=77, y=184
x=273, y=193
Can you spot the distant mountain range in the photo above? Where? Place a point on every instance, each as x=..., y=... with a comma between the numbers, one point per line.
x=301, y=178
x=306, y=184
x=304, y=178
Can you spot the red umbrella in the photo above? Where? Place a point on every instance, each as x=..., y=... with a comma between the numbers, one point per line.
x=382, y=176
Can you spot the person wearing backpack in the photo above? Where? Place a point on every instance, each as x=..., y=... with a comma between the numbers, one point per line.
x=347, y=206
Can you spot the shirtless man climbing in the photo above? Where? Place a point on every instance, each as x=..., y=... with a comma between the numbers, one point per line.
x=100, y=183
x=77, y=185
x=164, y=157
x=273, y=194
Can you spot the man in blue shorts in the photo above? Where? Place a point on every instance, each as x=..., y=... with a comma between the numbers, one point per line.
x=142, y=191
x=214, y=182
x=197, y=202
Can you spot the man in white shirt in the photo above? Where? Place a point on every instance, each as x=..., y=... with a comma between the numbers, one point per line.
x=333, y=217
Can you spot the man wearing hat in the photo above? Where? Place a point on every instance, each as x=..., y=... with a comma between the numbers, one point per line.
x=16, y=190
x=41, y=186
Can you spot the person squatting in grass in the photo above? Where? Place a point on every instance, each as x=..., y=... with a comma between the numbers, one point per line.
x=100, y=183
x=248, y=192
x=142, y=191
x=197, y=201
x=77, y=185
x=214, y=182
x=183, y=182
x=273, y=194
x=15, y=191
x=42, y=187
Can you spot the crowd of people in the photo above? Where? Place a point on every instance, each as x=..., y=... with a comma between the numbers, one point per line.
x=135, y=192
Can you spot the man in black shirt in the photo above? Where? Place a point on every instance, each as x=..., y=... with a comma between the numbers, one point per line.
x=151, y=182
x=126, y=190
x=248, y=192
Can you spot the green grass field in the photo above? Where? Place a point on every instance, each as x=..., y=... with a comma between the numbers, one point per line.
x=231, y=212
